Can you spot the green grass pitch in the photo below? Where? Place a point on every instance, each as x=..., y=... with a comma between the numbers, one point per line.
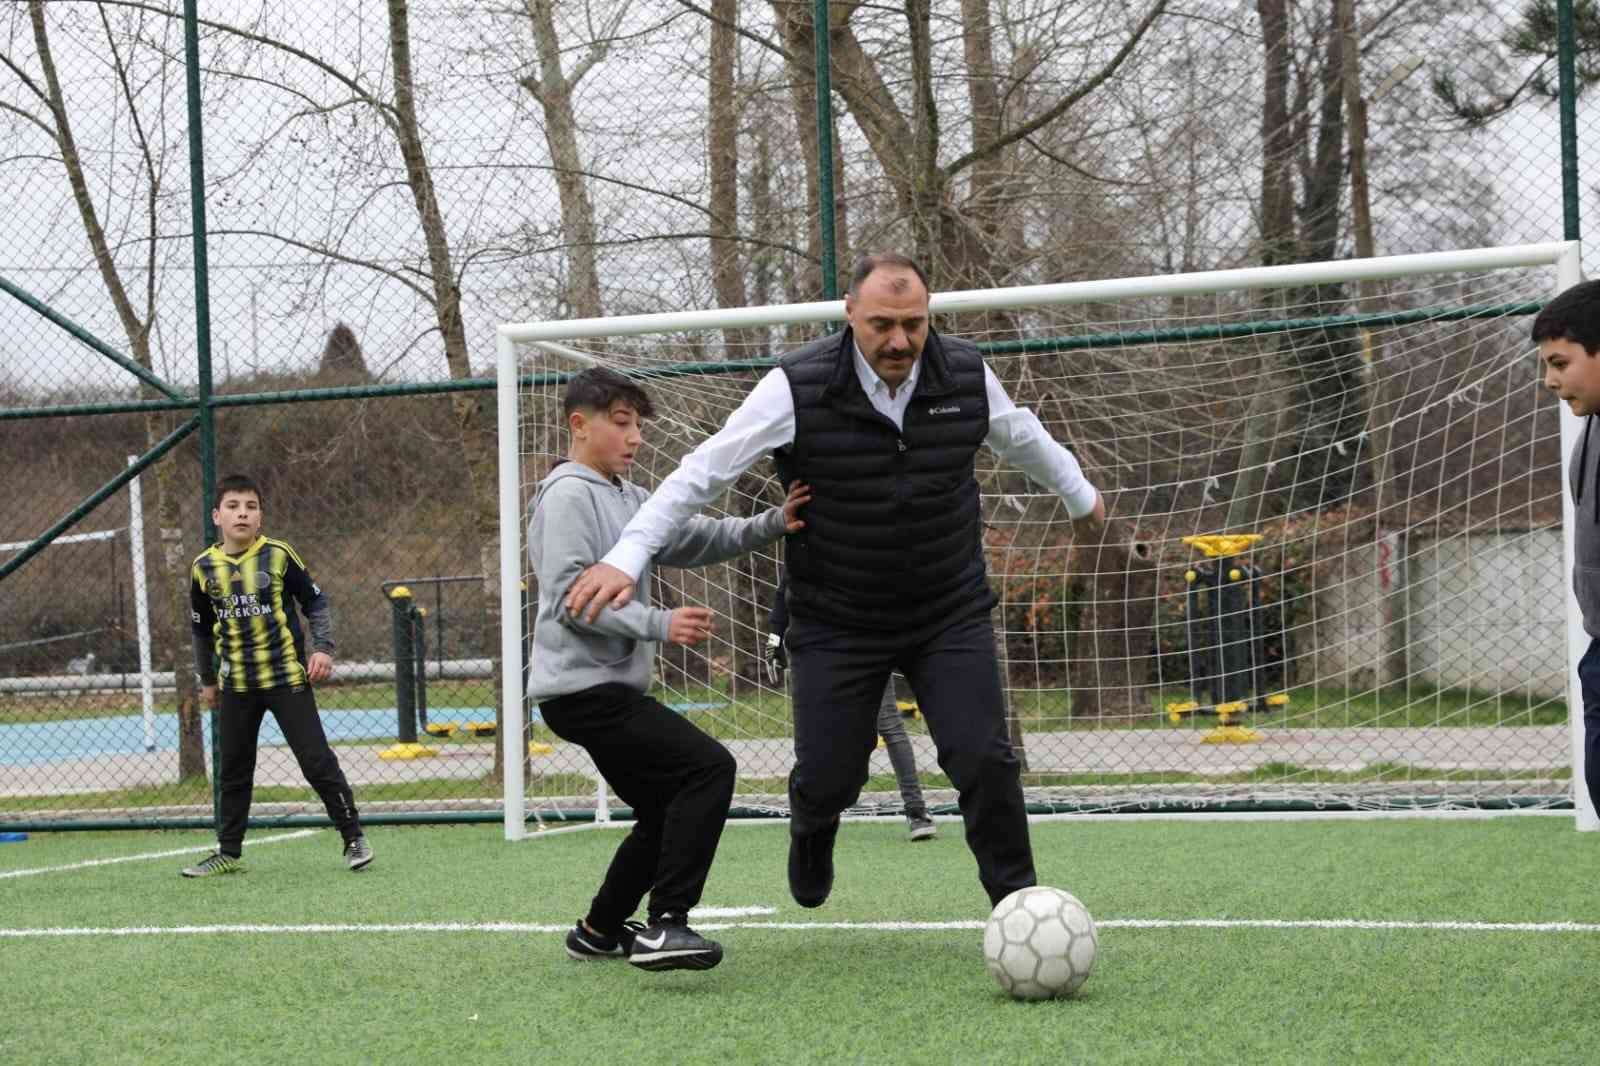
x=449, y=950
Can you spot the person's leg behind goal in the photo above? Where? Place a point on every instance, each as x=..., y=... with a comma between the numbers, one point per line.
x=903, y=758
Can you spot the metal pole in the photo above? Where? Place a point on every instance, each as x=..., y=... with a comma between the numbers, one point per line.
x=202, y=284
x=830, y=266
x=141, y=607
x=1566, y=41
x=405, y=666
x=513, y=687
x=202, y=320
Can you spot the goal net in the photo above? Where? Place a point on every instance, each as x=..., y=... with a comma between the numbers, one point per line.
x=1333, y=577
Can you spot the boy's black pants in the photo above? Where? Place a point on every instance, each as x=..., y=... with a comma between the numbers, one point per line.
x=238, y=731
x=1589, y=678
x=678, y=781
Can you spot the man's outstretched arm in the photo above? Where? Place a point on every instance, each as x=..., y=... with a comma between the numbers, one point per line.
x=764, y=421
x=1016, y=435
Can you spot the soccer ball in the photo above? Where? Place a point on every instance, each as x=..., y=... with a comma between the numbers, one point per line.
x=1040, y=943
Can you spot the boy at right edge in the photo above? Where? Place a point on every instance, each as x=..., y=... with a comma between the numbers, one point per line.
x=1568, y=334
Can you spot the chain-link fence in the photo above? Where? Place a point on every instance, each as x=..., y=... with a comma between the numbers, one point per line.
x=384, y=182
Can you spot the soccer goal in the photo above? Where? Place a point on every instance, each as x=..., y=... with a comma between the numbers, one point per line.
x=1334, y=577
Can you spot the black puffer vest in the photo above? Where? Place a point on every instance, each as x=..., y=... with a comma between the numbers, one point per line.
x=893, y=536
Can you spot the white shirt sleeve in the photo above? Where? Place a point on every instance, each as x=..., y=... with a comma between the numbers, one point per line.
x=764, y=421
x=1016, y=435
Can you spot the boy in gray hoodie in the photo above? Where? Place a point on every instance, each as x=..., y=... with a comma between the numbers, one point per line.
x=1568, y=334
x=591, y=680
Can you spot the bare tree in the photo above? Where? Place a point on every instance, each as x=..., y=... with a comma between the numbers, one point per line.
x=554, y=89
x=956, y=209
x=136, y=311
x=396, y=127
x=722, y=160
x=800, y=44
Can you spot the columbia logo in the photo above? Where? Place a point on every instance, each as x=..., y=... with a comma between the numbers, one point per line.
x=949, y=409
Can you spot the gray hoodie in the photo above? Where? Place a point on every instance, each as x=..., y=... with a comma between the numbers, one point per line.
x=578, y=515
x=1584, y=470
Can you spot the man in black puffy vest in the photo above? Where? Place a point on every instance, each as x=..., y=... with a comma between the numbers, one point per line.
x=882, y=421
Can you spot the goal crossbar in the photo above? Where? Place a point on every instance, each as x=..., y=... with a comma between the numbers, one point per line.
x=1071, y=292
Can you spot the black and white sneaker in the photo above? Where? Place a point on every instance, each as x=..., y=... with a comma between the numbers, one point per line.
x=214, y=864
x=357, y=854
x=584, y=945
x=668, y=943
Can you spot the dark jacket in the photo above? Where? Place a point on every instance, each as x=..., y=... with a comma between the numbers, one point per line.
x=1583, y=479
x=893, y=535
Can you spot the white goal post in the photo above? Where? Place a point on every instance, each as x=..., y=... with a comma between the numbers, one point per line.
x=1136, y=308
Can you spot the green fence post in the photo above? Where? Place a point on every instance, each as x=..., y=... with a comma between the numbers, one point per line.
x=202, y=316
x=829, y=239
x=1566, y=68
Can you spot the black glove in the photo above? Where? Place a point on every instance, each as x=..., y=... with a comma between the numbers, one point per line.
x=777, y=659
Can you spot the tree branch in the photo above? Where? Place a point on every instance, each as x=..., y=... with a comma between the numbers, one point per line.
x=29, y=116
x=770, y=46
x=783, y=246
x=328, y=253
x=154, y=178
x=383, y=107
x=1080, y=171
x=22, y=76
x=1062, y=106
x=73, y=162
x=598, y=48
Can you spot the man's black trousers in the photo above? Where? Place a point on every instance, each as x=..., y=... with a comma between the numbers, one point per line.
x=679, y=782
x=838, y=676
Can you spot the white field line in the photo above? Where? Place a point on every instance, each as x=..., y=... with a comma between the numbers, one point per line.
x=1138, y=816
x=559, y=829
x=882, y=927
x=296, y=835
x=732, y=912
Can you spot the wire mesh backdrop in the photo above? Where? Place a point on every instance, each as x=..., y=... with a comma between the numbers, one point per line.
x=384, y=182
x=1385, y=629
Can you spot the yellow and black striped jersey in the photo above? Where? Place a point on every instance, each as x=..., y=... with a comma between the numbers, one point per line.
x=242, y=611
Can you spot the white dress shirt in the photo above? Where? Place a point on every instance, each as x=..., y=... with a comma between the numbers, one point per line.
x=765, y=421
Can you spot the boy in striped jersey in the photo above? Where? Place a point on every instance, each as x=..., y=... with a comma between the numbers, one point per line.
x=250, y=652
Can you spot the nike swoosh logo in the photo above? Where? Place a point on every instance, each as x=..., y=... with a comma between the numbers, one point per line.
x=660, y=939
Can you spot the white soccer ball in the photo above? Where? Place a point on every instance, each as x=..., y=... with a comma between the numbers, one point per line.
x=1040, y=943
